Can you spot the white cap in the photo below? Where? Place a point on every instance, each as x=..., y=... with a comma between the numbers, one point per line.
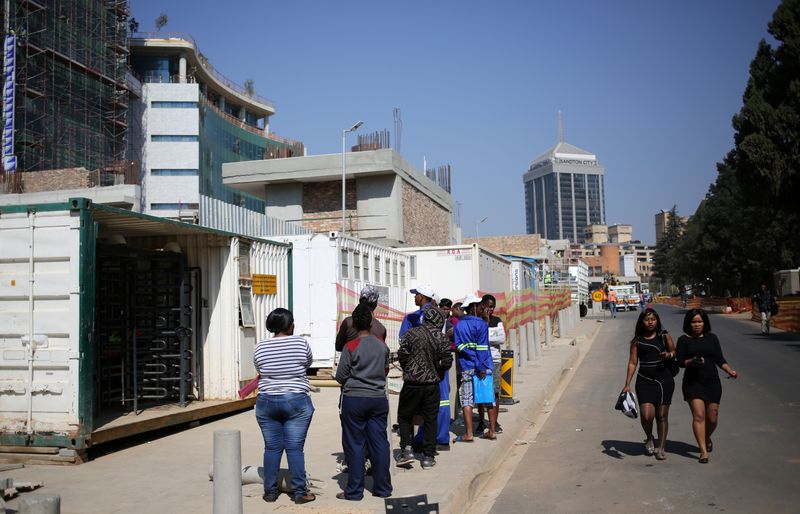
x=425, y=290
x=470, y=299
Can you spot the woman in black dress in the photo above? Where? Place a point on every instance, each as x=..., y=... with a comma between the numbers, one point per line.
x=651, y=348
x=700, y=353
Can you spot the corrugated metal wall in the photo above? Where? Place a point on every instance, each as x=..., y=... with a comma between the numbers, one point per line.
x=231, y=218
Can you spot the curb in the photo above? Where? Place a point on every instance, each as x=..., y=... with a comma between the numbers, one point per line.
x=476, y=476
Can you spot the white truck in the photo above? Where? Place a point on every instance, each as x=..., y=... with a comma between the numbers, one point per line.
x=627, y=297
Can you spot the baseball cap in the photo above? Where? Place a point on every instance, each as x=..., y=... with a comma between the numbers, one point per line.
x=470, y=299
x=370, y=293
x=425, y=290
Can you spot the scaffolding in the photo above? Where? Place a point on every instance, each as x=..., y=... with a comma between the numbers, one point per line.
x=72, y=96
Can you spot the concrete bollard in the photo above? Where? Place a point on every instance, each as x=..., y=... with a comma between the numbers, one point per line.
x=548, y=333
x=227, y=472
x=562, y=323
x=522, y=346
x=40, y=504
x=534, y=348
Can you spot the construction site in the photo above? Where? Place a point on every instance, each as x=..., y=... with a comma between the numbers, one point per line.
x=72, y=88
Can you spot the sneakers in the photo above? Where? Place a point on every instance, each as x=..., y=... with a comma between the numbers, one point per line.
x=270, y=497
x=406, y=456
x=498, y=429
x=428, y=462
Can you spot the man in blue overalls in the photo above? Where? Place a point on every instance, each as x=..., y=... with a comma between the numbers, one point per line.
x=423, y=298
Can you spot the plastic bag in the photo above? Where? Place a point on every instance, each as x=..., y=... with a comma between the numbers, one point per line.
x=483, y=388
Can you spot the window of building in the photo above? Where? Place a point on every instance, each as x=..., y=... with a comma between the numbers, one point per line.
x=175, y=172
x=344, y=261
x=173, y=105
x=412, y=266
x=388, y=269
x=394, y=271
x=172, y=138
x=403, y=275
x=246, y=315
x=377, y=270
x=357, y=266
x=365, y=260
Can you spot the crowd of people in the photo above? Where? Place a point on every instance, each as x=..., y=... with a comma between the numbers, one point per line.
x=436, y=337
x=659, y=359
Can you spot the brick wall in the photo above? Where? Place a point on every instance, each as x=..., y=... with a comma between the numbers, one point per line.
x=425, y=222
x=322, y=206
x=54, y=180
x=522, y=245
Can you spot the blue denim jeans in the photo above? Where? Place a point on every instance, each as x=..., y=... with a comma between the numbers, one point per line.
x=284, y=421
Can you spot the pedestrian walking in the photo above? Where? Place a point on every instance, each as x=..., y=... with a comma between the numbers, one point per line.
x=651, y=349
x=424, y=356
x=347, y=331
x=612, y=302
x=699, y=351
x=362, y=371
x=283, y=407
x=766, y=306
x=472, y=344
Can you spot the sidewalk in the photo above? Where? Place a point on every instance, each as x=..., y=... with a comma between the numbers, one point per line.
x=170, y=474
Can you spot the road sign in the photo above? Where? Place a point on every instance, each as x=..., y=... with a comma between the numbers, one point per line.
x=598, y=296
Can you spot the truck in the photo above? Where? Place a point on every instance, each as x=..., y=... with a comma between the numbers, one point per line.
x=627, y=297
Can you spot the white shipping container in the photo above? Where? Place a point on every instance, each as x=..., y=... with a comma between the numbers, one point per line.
x=329, y=272
x=51, y=396
x=456, y=271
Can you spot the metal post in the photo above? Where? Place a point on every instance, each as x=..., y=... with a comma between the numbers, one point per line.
x=344, y=133
x=227, y=472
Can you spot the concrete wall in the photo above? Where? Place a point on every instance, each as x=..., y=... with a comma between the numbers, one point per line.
x=379, y=200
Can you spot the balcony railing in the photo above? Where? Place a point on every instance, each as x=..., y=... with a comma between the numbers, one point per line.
x=208, y=67
x=233, y=119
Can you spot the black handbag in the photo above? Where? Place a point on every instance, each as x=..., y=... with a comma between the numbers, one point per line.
x=672, y=364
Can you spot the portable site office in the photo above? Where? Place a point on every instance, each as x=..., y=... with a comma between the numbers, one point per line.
x=456, y=271
x=105, y=312
x=329, y=272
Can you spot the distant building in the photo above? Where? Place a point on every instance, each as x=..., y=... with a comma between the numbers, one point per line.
x=528, y=245
x=564, y=192
x=388, y=201
x=662, y=220
x=595, y=234
x=620, y=233
x=192, y=119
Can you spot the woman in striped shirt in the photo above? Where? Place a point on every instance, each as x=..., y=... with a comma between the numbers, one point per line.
x=284, y=407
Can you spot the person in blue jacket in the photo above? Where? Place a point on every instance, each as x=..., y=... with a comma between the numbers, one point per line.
x=423, y=298
x=474, y=357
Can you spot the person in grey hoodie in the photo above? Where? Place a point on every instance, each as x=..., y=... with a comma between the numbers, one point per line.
x=362, y=371
x=424, y=355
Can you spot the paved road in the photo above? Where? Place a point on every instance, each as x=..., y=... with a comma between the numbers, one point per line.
x=590, y=458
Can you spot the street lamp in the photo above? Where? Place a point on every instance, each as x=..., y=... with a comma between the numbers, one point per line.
x=477, y=234
x=344, y=135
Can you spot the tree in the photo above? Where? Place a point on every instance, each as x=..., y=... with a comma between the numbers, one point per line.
x=666, y=261
x=161, y=21
x=133, y=25
x=249, y=88
x=746, y=228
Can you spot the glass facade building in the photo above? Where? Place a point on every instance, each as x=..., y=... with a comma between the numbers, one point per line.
x=564, y=192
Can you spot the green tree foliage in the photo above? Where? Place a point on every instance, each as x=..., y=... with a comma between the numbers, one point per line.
x=747, y=226
x=666, y=260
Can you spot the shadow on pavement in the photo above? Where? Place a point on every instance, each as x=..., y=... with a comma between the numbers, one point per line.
x=619, y=449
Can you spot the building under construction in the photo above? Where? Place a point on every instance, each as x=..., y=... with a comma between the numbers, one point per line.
x=72, y=87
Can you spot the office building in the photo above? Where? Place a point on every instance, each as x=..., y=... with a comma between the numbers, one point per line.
x=564, y=192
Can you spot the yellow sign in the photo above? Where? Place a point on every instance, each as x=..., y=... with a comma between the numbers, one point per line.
x=598, y=296
x=265, y=284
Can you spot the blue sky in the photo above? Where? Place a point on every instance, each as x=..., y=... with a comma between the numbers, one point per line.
x=649, y=87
